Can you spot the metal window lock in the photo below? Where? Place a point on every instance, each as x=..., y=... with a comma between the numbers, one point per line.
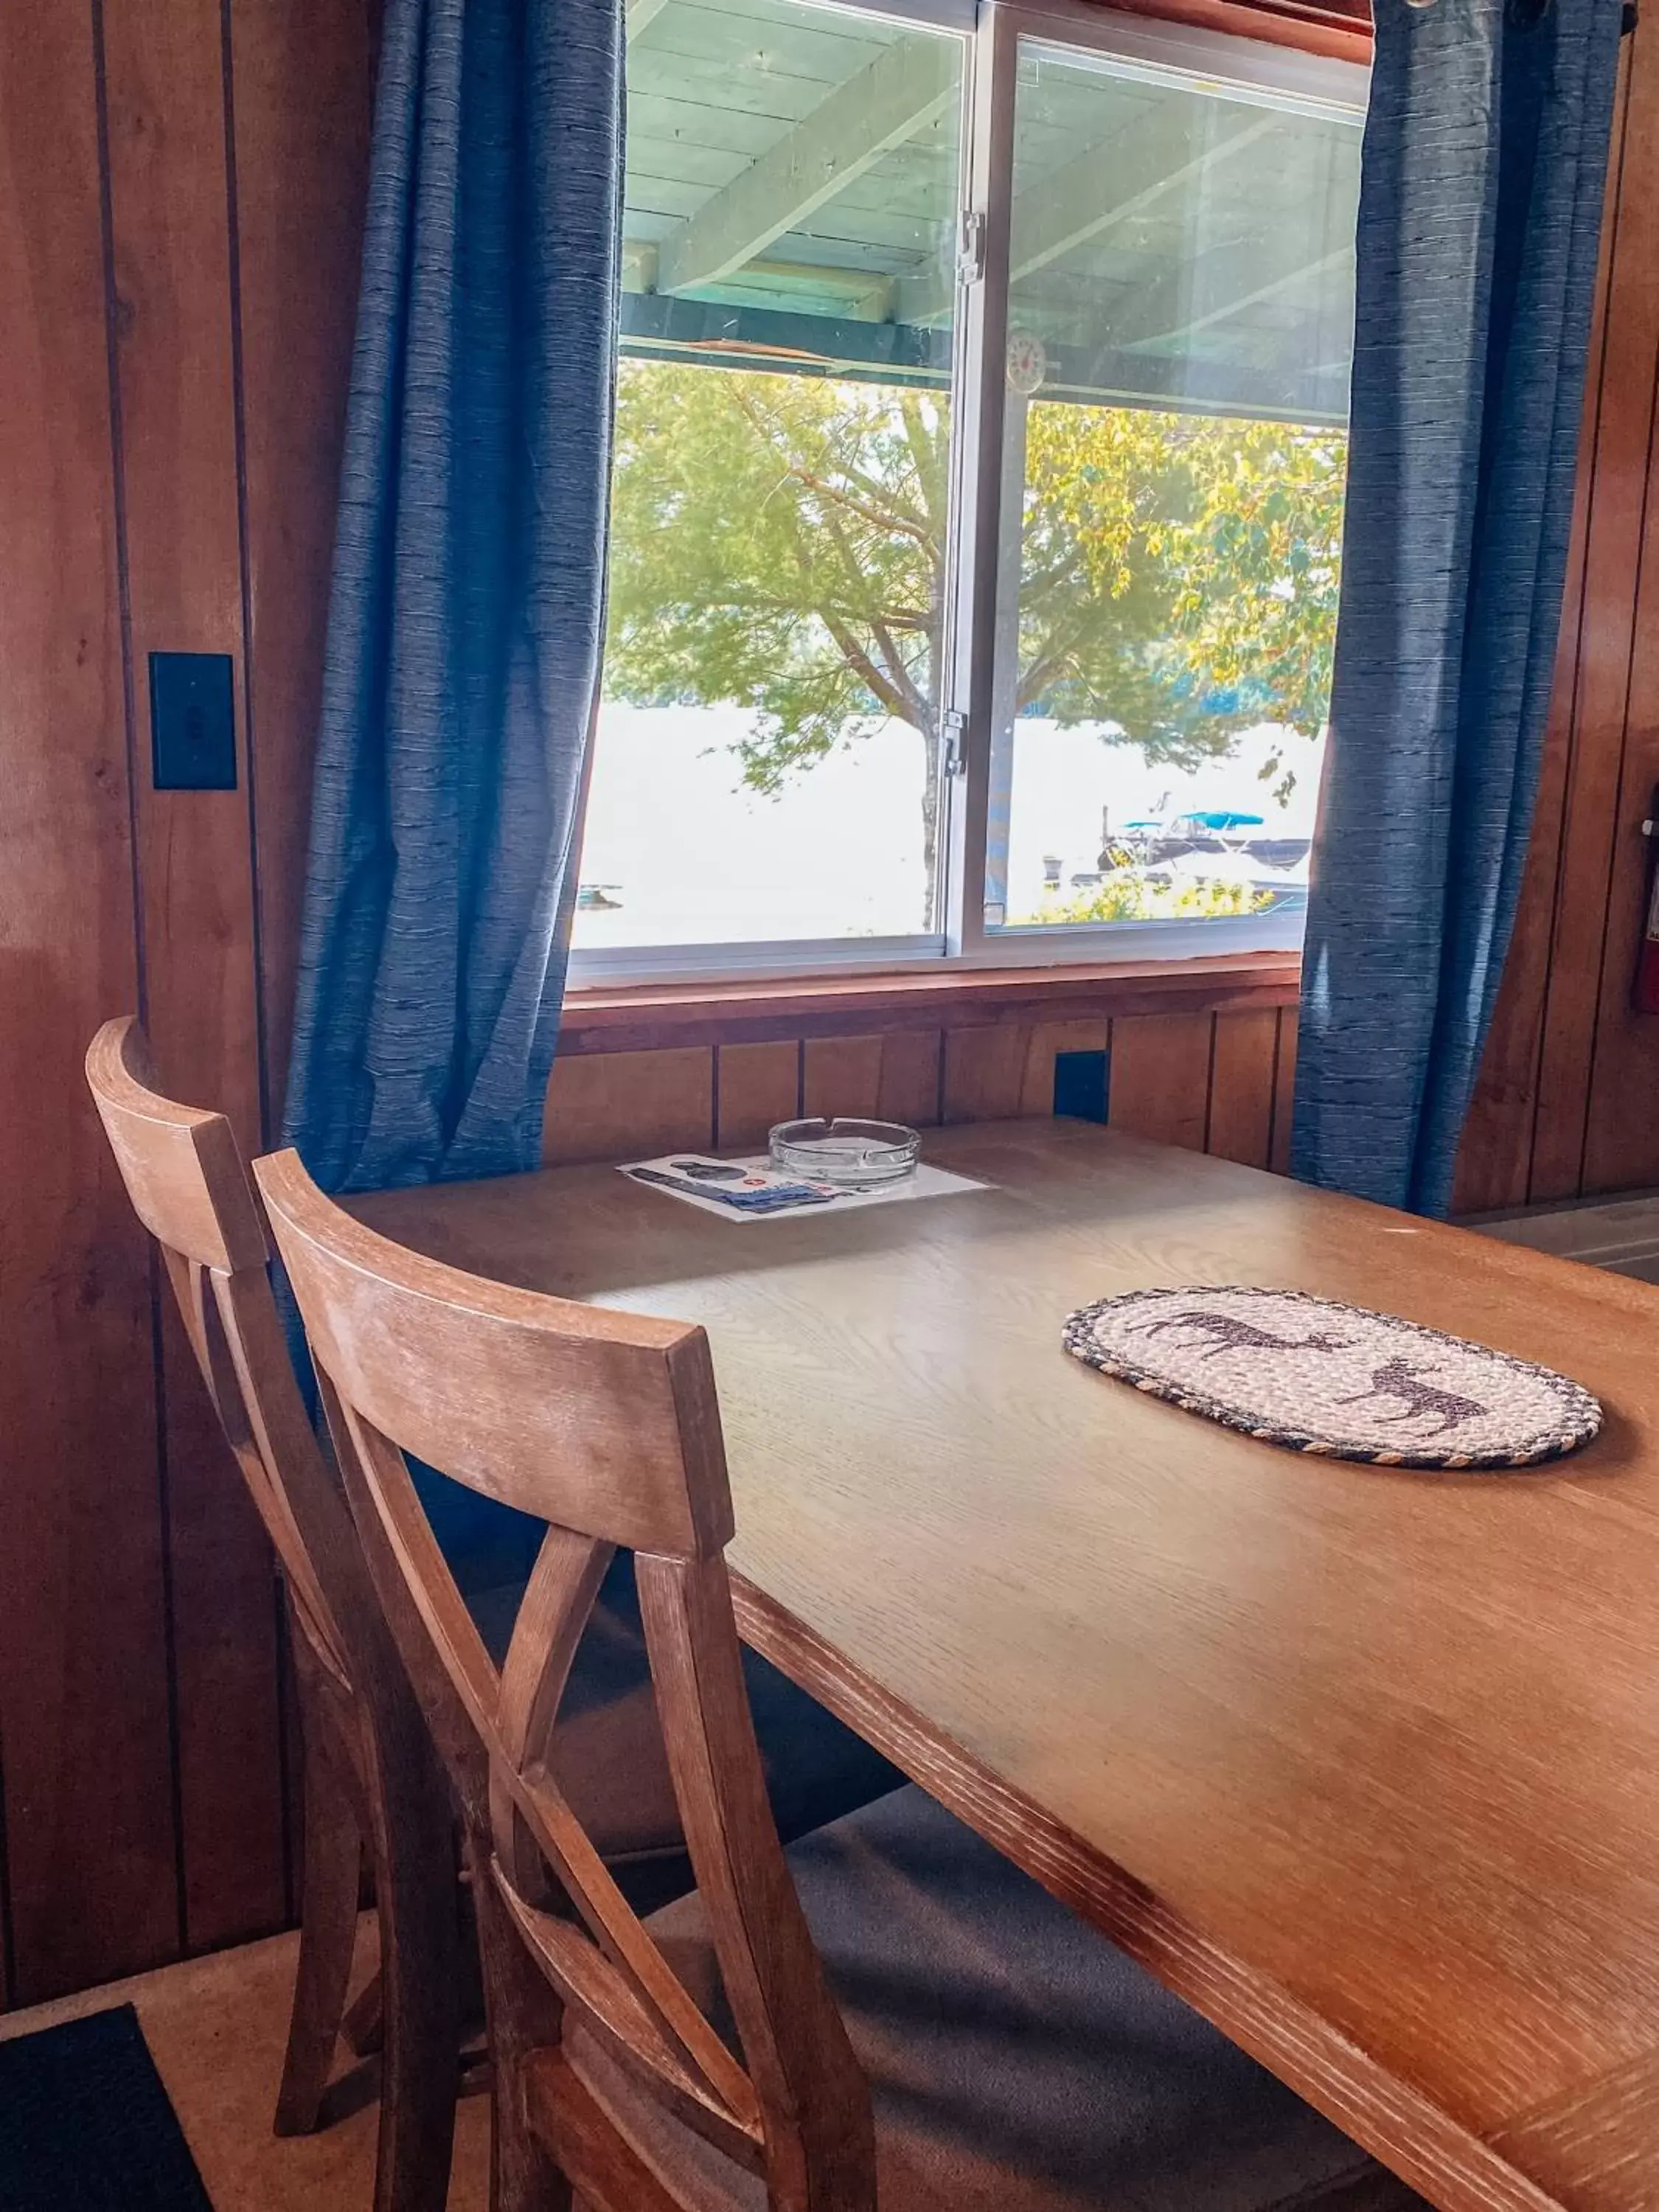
x=954, y=726
x=970, y=248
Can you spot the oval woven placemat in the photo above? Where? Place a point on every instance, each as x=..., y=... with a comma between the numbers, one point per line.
x=1316, y=1375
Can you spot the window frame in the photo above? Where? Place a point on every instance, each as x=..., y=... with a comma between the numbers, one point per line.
x=1318, y=56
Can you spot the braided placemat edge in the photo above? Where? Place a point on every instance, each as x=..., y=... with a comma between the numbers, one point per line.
x=1080, y=1340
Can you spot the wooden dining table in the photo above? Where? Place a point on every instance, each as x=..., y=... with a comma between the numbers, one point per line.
x=1362, y=1763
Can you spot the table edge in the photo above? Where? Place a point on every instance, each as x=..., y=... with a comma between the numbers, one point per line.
x=1456, y=2169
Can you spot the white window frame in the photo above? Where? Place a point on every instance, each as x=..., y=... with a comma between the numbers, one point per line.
x=991, y=32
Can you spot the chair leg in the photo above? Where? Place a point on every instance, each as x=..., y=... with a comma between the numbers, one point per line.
x=413, y=1840
x=523, y=2015
x=331, y=1871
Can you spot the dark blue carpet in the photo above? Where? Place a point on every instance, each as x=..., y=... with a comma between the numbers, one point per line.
x=85, y=2126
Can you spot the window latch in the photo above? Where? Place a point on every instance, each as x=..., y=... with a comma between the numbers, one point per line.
x=954, y=726
x=970, y=248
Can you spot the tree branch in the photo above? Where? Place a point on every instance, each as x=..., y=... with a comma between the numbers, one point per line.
x=880, y=518
x=898, y=617
x=1047, y=664
x=859, y=661
x=903, y=680
x=904, y=528
x=910, y=524
x=924, y=456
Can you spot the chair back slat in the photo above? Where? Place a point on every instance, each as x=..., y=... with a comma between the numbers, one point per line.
x=606, y=1426
x=524, y=1803
x=769, y=1964
x=219, y=1312
x=185, y=1173
x=613, y=2012
x=556, y=1605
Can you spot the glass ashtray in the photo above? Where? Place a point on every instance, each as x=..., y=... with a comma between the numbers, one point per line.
x=857, y=1153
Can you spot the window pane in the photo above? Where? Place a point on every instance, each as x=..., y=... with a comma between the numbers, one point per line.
x=766, y=762
x=1180, y=317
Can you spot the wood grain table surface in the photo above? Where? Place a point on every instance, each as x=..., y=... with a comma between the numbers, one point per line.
x=1362, y=1763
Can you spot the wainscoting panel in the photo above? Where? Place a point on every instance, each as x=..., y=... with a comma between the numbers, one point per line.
x=755, y=1087
x=91, y=1842
x=1565, y=1105
x=1242, y=1067
x=644, y=1102
x=1159, y=1084
x=171, y=241
x=896, y=1077
x=172, y=393
x=1215, y=1080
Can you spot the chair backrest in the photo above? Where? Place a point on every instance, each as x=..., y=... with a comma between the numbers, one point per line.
x=188, y=1182
x=606, y=1426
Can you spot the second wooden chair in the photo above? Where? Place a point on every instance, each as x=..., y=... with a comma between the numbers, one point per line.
x=371, y=1779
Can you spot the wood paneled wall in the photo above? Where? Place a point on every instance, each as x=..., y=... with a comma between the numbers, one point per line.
x=180, y=187
x=1216, y=1080
x=1568, y=1101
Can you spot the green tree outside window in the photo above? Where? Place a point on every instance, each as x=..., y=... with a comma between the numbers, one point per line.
x=779, y=545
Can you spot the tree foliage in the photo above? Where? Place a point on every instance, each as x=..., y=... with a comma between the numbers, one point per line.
x=1129, y=892
x=778, y=545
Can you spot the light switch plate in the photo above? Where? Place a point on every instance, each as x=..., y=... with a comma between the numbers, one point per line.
x=192, y=721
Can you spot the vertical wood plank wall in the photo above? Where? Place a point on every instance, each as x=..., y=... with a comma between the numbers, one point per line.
x=1568, y=1101
x=180, y=183
x=1215, y=1080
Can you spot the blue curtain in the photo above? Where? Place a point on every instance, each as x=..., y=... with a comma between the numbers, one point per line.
x=467, y=610
x=1485, y=165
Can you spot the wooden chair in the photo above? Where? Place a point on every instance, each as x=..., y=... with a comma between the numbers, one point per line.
x=372, y=1779
x=699, y=2062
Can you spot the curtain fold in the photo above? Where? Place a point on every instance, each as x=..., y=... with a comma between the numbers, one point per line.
x=1483, y=179
x=467, y=608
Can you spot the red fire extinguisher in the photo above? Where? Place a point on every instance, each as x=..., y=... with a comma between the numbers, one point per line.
x=1644, y=995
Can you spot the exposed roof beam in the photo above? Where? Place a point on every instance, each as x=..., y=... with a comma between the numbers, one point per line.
x=866, y=296
x=776, y=339
x=729, y=336
x=1160, y=151
x=640, y=13
x=1218, y=286
x=906, y=86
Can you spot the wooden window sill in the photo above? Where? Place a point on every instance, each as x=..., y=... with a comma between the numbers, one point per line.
x=642, y=1018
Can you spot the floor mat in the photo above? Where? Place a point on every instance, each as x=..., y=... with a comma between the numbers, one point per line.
x=85, y=2122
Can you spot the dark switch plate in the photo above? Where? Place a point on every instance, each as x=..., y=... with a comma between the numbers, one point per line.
x=192, y=721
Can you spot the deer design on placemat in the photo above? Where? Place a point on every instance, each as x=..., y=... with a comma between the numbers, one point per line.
x=1398, y=1378
x=1228, y=1334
